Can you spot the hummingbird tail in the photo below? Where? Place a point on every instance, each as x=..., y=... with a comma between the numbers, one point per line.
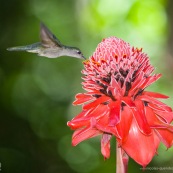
x=25, y=48
x=19, y=48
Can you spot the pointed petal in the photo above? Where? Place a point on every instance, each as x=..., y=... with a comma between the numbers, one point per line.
x=167, y=116
x=128, y=101
x=154, y=101
x=126, y=80
x=124, y=126
x=115, y=113
x=150, y=80
x=140, y=147
x=105, y=145
x=103, y=125
x=93, y=92
x=79, y=121
x=115, y=84
x=137, y=83
x=82, y=98
x=99, y=111
x=83, y=119
x=140, y=117
x=155, y=95
x=165, y=136
x=156, y=107
x=153, y=120
x=95, y=103
x=83, y=134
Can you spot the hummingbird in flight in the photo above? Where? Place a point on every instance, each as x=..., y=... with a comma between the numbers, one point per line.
x=49, y=46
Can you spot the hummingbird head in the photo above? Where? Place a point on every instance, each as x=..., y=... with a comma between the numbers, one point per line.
x=75, y=52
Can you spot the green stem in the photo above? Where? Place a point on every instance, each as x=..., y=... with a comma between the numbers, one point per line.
x=121, y=160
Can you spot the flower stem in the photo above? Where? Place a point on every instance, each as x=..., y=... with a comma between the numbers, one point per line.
x=121, y=160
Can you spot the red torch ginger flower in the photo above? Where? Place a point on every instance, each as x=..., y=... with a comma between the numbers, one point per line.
x=116, y=103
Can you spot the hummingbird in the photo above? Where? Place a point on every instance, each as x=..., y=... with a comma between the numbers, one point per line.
x=49, y=46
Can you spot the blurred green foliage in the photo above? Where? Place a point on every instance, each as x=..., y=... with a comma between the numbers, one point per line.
x=36, y=93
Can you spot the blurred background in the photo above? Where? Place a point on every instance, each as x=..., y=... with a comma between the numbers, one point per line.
x=36, y=93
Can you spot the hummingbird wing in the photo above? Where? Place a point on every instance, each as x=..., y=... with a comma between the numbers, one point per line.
x=48, y=39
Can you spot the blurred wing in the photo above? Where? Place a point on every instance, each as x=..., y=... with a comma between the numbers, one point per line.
x=47, y=38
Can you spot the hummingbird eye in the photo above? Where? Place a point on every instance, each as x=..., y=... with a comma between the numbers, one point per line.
x=79, y=52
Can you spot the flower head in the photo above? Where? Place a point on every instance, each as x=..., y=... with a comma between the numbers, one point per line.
x=116, y=103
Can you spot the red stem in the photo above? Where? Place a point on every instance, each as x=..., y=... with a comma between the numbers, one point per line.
x=121, y=160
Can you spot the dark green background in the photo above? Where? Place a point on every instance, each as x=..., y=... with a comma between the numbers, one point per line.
x=36, y=93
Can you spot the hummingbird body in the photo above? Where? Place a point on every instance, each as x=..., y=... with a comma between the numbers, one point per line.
x=49, y=46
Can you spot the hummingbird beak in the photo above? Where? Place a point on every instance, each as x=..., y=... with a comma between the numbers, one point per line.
x=83, y=57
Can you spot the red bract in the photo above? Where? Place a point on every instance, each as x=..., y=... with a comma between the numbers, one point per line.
x=116, y=103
